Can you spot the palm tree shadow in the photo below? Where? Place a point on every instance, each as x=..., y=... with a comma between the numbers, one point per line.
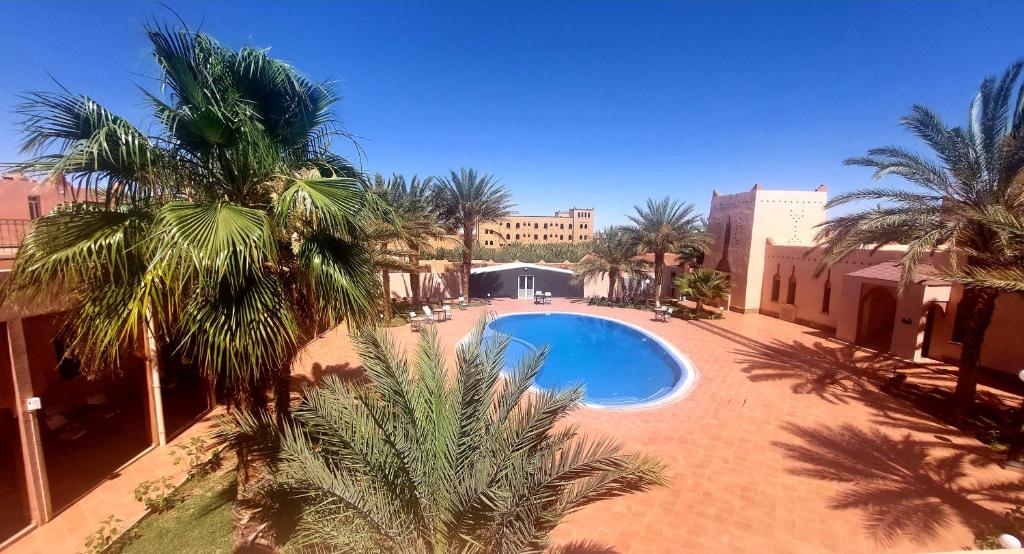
x=317, y=372
x=904, y=395
x=901, y=485
x=583, y=547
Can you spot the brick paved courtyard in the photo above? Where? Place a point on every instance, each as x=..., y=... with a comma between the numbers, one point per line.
x=785, y=444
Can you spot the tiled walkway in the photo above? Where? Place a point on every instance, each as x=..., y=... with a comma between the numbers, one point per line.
x=785, y=444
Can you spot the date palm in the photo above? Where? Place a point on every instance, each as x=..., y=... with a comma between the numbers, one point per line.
x=971, y=170
x=463, y=201
x=704, y=285
x=233, y=234
x=417, y=223
x=612, y=257
x=663, y=226
x=420, y=461
x=1003, y=267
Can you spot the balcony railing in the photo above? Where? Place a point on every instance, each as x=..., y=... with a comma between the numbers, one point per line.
x=12, y=232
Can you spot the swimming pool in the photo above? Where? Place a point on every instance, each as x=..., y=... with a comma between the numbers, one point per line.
x=620, y=365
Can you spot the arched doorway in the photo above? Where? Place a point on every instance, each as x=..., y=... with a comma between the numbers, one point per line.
x=876, y=318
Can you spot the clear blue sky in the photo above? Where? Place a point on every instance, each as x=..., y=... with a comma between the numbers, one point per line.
x=589, y=103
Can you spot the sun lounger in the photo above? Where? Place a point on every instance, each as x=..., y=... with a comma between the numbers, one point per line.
x=429, y=315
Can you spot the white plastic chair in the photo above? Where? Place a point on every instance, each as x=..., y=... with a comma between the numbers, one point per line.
x=547, y=297
x=428, y=315
x=447, y=312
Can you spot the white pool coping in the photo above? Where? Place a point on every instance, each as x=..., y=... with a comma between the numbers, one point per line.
x=680, y=390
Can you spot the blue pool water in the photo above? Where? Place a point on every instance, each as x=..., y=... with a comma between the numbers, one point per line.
x=618, y=364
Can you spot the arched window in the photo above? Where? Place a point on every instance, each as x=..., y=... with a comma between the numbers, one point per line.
x=535, y=226
x=534, y=237
x=517, y=236
x=507, y=236
x=508, y=225
x=826, y=296
x=517, y=225
x=791, y=288
x=561, y=225
x=545, y=237
x=776, y=283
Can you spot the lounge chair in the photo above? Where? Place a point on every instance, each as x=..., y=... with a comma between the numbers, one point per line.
x=462, y=303
x=663, y=313
x=416, y=321
x=429, y=315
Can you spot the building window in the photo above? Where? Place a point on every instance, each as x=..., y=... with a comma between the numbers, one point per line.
x=507, y=236
x=561, y=237
x=545, y=237
x=570, y=225
x=561, y=225
x=776, y=283
x=545, y=225
x=535, y=226
x=508, y=225
x=517, y=225
x=517, y=236
x=534, y=237
x=826, y=297
x=791, y=288
x=35, y=209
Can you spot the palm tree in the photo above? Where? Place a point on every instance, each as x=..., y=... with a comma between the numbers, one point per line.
x=412, y=206
x=663, y=226
x=704, y=285
x=975, y=168
x=233, y=234
x=415, y=461
x=1003, y=267
x=612, y=256
x=463, y=201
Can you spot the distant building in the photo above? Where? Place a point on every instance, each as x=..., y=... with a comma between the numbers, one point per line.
x=765, y=240
x=21, y=201
x=573, y=225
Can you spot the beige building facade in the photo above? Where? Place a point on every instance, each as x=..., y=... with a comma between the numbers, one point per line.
x=765, y=240
x=572, y=225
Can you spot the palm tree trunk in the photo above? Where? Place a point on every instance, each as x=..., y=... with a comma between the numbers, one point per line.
x=246, y=473
x=980, y=305
x=282, y=392
x=467, y=257
x=700, y=305
x=659, y=267
x=385, y=277
x=414, y=279
x=612, y=277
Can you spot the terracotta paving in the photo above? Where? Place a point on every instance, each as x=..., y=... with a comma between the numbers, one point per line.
x=785, y=444
x=68, y=531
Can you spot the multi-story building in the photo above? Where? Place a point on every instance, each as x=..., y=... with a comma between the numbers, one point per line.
x=21, y=201
x=573, y=225
x=765, y=240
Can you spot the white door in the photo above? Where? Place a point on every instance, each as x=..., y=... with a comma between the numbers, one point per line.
x=526, y=286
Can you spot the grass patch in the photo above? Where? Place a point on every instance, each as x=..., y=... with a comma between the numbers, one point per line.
x=200, y=522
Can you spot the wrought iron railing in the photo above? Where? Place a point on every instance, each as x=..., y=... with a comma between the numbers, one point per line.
x=12, y=232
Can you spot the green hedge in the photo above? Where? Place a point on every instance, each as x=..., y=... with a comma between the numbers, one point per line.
x=529, y=253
